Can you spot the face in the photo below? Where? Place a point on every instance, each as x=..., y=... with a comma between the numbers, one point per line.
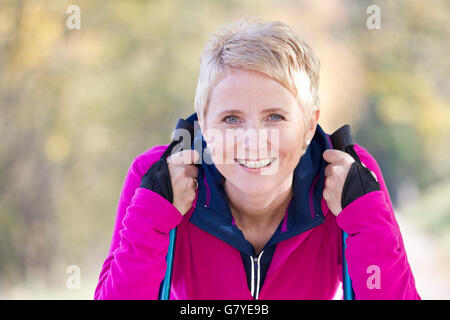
x=255, y=130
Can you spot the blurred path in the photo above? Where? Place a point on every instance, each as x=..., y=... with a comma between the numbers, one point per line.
x=431, y=271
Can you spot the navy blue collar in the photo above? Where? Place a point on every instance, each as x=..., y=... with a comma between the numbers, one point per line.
x=212, y=212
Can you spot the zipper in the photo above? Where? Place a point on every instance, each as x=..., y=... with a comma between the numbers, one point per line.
x=256, y=275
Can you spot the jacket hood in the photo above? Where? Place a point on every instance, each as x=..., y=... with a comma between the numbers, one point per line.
x=212, y=212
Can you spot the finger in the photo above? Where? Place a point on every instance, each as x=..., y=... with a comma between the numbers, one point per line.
x=333, y=156
x=191, y=171
x=326, y=194
x=184, y=157
x=329, y=170
x=329, y=183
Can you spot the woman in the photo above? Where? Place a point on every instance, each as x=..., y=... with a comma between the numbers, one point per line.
x=263, y=220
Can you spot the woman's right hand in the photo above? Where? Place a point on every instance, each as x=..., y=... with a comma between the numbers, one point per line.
x=183, y=171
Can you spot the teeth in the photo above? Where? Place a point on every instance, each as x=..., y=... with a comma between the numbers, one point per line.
x=254, y=164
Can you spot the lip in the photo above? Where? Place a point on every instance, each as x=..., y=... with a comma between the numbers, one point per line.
x=255, y=170
x=255, y=160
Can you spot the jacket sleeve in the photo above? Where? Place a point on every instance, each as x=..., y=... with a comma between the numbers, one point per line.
x=136, y=263
x=376, y=256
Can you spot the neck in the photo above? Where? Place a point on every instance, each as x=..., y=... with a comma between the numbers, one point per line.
x=259, y=212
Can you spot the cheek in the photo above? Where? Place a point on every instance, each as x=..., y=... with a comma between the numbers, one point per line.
x=223, y=155
x=222, y=149
x=291, y=142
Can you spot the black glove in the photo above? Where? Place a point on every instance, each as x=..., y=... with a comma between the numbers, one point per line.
x=359, y=181
x=157, y=177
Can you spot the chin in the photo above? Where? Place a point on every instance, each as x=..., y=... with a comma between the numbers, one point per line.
x=250, y=182
x=253, y=186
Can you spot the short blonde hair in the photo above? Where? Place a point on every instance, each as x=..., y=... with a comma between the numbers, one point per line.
x=270, y=47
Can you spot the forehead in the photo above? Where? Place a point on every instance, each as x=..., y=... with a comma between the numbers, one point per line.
x=249, y=90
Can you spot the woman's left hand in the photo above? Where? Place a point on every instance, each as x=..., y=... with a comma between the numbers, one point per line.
x=335, y=174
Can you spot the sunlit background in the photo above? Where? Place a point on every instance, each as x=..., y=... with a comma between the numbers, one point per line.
x=77, y=105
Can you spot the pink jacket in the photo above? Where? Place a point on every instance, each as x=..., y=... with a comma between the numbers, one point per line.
x=305, y=266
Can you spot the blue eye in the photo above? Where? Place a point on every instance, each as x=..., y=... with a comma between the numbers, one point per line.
x=228, y=117
x=280, y=117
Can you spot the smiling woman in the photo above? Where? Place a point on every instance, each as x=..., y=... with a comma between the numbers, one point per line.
x=257, y=202
x=263, y=220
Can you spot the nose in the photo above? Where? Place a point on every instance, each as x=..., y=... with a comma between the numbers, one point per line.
x=254, y=143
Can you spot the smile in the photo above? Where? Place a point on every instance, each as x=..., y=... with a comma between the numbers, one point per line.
x=255, y=164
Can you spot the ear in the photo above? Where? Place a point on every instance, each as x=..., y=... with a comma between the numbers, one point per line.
x=312, y=125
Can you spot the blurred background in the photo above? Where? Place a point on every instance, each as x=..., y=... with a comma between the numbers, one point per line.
x=77, y=105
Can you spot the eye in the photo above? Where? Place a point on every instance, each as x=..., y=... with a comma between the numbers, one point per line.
x=232, y=117
x=280, y=117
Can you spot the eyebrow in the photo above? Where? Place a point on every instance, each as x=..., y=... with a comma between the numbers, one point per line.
x=265, y=111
